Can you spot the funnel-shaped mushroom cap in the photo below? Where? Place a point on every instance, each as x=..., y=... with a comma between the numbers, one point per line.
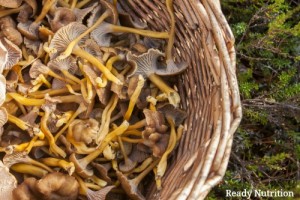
x=29, y=29
x=65, y=35
x=26, y=190
x=14, y=53
x=61, y=18
x=127, y=20
x=10, y=3
x=69, y=64
x=130, y=187
x=146, y=63
x=100, y=194
x=80, y=14
x=38, y=68
x=171, y=68
x=102, y=34
x=3, y=116
x=99, y=10
x=8, y=28
x=2, y=89
x=176, y=114
x=7, y=182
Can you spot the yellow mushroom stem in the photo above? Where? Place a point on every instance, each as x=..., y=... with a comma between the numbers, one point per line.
x=133, y=132
x=134, y=97
x=180, y=130
x=143, y=166
x=90, y=92
x=30, y=144
x=55, y=75
x=25, y=101
x=71, y=76
x=82, y=186
x=46, y=7
x=44, y=127
x=172, y=95
x=72, y=44
x=169, y=4
x=70, y=89
x=105, y=120
x=79, y=110
x=11, y=11
x=24, y=52
x=24, y=146
x=117, y=132
x=53, y=92
x=137, y=125
x=73, y=5
x=41, y=79
x=122, y=149
x=98, y=181
x=64, y=118
x=157, y=180
x=136, y=181
x=83, y=89
x=162, y=165
x=28, y=160
x=69, y=99
x=55, y=162
x=115, y=2
x=131, y=140
x=29, y=169
x=90, y=58
x=109, y=66
x=146, y=33
x=35, y=88
x=18, y=122
x=82, y=3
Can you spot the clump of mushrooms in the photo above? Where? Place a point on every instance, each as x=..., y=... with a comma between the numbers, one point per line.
x=84, y=111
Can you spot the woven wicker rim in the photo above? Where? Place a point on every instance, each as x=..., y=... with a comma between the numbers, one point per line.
x=209, y=93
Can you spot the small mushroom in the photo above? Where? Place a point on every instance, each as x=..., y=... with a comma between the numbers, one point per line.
x=29, y=29
x=8, y=182
x=82, y=133
x=131, y=186
x=147, y=65
x=128, y=164
x=81, y=164
x=103, y=170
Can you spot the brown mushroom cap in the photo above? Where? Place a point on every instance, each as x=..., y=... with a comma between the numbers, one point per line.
x=37, y=68
x=10, y=3
x=175, y=113
x=8, y=28
x=62, y=17
x=14, y=53
x=29, y=29
x=103, y=170
x=82, y=13
x=69, y=64
x=155, y=120
x=58, y=186
x=7, y=182
x=26, y=190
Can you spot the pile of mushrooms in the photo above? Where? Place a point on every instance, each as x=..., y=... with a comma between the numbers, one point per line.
x=84, y=111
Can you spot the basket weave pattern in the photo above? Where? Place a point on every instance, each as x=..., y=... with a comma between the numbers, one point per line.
x=209, y=93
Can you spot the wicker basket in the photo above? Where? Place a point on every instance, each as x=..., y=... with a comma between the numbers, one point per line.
x=209, y=92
